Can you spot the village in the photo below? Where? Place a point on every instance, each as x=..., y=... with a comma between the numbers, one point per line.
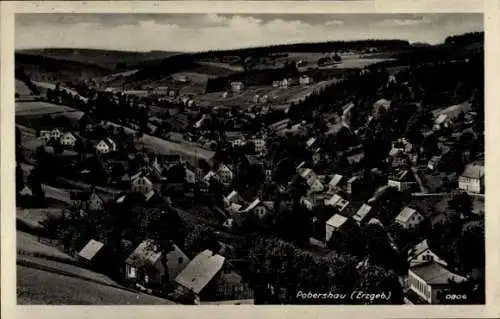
x=199, y=198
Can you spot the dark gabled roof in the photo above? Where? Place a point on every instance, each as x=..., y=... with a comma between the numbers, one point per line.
x=434, y=273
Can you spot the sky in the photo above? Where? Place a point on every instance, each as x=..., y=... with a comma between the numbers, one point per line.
x=199, y=32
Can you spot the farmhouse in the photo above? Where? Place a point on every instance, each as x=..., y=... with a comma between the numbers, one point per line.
x=472, y=179
x=55, y=134
x=337, y=201
x=106, y=146
x=45, y=135
x=68, y=139
x=421, y=253
x=334, y=224
x=144, y=264
x=305, y=80
x=401, y=180
x=141, y=184
x=409, y=218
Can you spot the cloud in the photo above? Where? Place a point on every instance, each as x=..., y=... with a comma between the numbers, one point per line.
x=401, y=22
x=185, y=32
x=334, y=22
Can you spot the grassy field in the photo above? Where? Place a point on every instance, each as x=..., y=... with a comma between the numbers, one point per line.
x=35, y=216
x=42, y=108
x=155, y=144
x=28, y=245
x=47, y=281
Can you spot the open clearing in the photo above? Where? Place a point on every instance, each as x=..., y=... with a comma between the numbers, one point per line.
x=42, y=108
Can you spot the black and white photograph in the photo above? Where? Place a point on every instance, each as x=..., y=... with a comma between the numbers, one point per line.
x=249, y=159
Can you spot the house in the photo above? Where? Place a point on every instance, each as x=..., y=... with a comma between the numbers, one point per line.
x=409, y=218
x=95, y=202
x=94, y=255
x=68, y=139
x=434, y=162
x=45, y=135
x=55, y=134
x=362, y=214
x=334, y=182
x=225, y=174
x=401, y=145
x=337, y=201
x=421, y=253
x=442, y=121
x=141, y=184
x=237, y=86
x=106, y=146
x=144, y=264
x=260, y=145
x=472, y=179
x=238, y=142
x=199, y=273
x=190, y=176
x=305, y=80
x=334, y=224
x=400, y=179
x=428, y=281
x=317, y=156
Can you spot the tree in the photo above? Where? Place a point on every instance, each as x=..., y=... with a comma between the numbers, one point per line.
x=160, y=228
x=375, y=280
x=461, y=203
x=200, y=238
x=19, y=178
x=348, y=240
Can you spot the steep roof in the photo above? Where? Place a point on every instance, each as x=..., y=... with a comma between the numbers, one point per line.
x=336, y=220
x=362, y=212
x=91, y=249
x=200, y=271
x=434, y=273
x=143, y=255
x=335, y=180
x=405, y=214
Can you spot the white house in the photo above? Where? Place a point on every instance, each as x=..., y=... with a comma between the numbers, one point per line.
x=304, y=80
x=225, y=174
x=260, y=145
x=55, y=133
x=334, y=224
x=421, y=253
x=409, y=218
x=429, y=279
x=442, y=121
x=106, y=146
x=472, y=179
x=141, y=184
x=401, y=180
x=337, y=201
x=68, y=139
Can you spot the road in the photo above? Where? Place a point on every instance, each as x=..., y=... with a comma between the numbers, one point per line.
x=423, y=189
